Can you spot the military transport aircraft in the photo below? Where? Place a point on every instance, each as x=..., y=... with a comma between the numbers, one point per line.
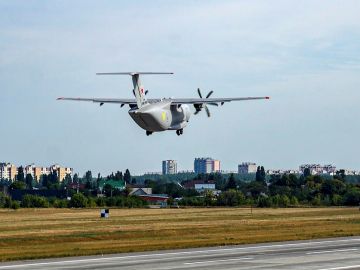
x=160, y=114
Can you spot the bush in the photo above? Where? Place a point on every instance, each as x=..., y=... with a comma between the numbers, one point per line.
x=91, y=202
x=192, y=201
x=336, y=200
x=15, y=205
x=100, y=201
x=78, y=201
x=352, y=197
x=231, y=198
x=264, y=201
x=57, y=203
x=284, y=201
x=33, y=201
x=111, y=201
x=294, y=201
x=3, y=199
x=316, y=201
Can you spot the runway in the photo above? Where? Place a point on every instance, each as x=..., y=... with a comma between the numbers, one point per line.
x=324, y=254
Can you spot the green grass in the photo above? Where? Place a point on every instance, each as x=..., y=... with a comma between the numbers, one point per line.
x=43, y=233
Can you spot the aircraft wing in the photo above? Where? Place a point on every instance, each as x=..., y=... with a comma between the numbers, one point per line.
x=103, y=100
x=177, y=101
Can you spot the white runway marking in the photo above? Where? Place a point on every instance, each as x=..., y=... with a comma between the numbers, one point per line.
x=342, y=267
x=333, y=250
x=76, y=261
x=215, y=261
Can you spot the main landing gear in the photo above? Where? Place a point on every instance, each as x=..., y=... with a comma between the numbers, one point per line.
x=148, y=133
x=179, y=132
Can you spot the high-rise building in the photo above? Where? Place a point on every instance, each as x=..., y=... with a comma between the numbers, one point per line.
x=34, y=171
x=318, y=169
x=60, y=171
x=8, y=171
x=206, y=165
x=169, y=167
x=247, y=167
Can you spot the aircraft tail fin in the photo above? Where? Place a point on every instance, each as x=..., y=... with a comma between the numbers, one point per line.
x=138, y=87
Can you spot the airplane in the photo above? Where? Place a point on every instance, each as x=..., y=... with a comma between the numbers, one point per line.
x=160, y=114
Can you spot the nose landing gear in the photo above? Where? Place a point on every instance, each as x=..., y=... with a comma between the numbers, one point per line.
x=179, y=132
x=148, y=133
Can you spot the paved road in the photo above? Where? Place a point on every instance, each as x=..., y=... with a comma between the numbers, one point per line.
x=325, y=254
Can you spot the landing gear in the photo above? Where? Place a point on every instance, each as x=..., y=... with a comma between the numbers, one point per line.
x=179, y=132
x=148, y=133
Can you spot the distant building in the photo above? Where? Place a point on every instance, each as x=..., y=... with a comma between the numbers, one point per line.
x=60, y=171
x=169, y=167
x=155, y=199
x=8, y=171
x=35, y=172
x=201, y=187
x=115, y=184
x=318, y=169
x=137, y=191
x=247, y=167
x=206, y=165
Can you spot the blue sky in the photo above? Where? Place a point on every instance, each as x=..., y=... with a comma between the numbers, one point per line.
x=304, y=54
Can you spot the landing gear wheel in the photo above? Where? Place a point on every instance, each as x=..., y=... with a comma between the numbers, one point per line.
x=179, y=132
x=148, y=133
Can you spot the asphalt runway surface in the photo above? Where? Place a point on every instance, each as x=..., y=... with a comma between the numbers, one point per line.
x=320, y=254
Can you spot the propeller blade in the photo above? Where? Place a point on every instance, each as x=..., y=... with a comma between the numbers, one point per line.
x=196, y=112
x=210, y=93
x=199, y=92
x=207, y=111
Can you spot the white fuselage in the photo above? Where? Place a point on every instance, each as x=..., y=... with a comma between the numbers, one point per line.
x=161, y=116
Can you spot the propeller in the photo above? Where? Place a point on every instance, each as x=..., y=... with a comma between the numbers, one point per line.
x=199, y=107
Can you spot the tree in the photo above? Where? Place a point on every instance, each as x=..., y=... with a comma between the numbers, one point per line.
x=263, y=174
x=20, y=176
x=340, y=175
x=78, y=201
x=307, y=172
x=51, y=181
x=67, y=180
x=76, y=178
x=256, y=188
x=264, y=201
x=3, y=200
x=231, y=198
x=98, y=180
x=88, y=180
x=209, y=197
x=17, y=185
x=29, y=181
x=260, y=175
x=119, y=176
x=127, y=176
x=231, y=184
x=352, y=197
x=33, y=201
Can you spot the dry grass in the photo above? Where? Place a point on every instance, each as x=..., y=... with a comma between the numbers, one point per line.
x=41, y=233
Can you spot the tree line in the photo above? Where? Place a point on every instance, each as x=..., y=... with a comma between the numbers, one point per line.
x=262, y=190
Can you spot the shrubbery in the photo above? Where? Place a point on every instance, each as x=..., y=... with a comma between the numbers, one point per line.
x=77, y=201
x=33, y=201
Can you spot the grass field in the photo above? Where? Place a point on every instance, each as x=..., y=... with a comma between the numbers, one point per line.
x=42, y=233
